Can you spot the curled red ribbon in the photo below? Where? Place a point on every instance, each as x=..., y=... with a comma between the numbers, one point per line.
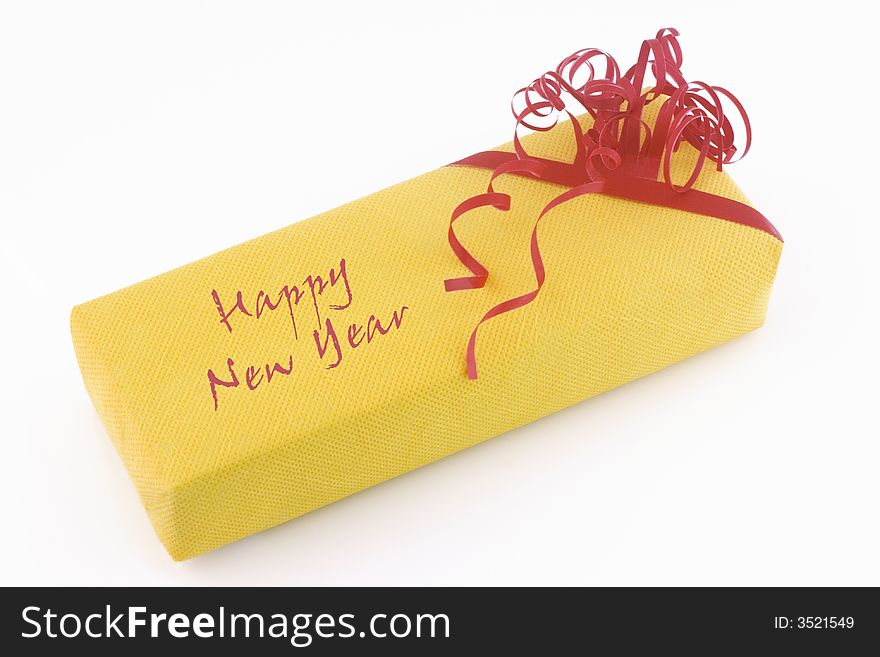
x=619, y=155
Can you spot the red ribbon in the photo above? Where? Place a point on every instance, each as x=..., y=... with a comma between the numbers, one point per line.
x=619, y=155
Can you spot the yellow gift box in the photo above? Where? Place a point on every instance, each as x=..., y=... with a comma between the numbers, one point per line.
x=280, y=375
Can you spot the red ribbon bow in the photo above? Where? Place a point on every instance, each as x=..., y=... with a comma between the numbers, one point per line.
x=619, y=155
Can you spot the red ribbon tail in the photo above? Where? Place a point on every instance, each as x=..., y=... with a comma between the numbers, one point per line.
x=480, y=273
x=538, y=266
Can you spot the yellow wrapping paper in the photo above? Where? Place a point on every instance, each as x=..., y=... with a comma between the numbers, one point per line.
x=280, y=375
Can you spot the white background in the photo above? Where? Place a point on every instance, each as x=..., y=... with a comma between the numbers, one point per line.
x=135, y=137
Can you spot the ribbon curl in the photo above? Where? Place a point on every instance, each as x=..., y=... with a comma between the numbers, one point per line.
x=619, y=155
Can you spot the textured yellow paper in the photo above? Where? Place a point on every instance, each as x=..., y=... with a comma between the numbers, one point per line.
x=631, y=288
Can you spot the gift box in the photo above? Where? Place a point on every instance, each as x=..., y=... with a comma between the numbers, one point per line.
x=280, y=375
